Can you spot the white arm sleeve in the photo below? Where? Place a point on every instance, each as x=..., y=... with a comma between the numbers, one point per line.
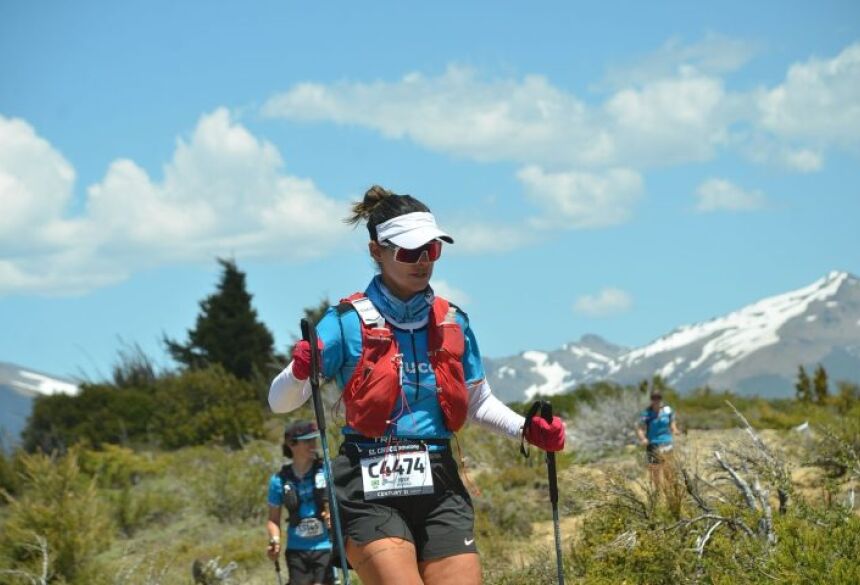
x=286, y=393
x=491, y=413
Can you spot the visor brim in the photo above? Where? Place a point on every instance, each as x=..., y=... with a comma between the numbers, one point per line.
x=418, y=237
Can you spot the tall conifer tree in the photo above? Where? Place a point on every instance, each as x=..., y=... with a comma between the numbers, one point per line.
x=819, y=384
x=803, y=386
x=227, y=331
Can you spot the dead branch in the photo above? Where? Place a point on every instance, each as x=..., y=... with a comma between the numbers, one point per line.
x=766, y=521
x=42, y=547
x=741, y=484
x=702, y=541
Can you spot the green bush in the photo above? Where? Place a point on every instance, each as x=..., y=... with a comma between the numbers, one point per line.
x=116, y=467
x=232, y=485
x=99, y=414
x=208, y=405
x=137, y=507
x=10, y=482
x=62, y=505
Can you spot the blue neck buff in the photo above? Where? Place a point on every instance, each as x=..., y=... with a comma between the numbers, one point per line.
x=409, y=314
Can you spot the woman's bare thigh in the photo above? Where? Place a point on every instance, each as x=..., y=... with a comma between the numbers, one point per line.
x=464, y=569
x=387, y=561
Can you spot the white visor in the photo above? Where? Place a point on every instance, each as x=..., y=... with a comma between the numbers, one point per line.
x=411, y=230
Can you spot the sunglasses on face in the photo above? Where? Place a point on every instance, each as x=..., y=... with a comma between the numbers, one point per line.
x=432, y=249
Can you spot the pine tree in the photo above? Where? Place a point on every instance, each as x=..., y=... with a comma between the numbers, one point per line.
x=803, y=386
x=819, y=383
x=227, y=331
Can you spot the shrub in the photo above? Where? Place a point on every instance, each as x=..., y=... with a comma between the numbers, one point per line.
x=232, y=485
x=144, y=505
x=208, y=405
x=607, y=424
x=99, y=414
x=61, y=505
x=10, y=482
x=116, y=467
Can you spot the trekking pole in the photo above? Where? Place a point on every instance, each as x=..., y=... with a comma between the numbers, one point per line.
x=278, y=571
x=545, y=410
x=546, y=414
x=309, y=334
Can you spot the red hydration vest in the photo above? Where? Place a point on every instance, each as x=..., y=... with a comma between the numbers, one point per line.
x=372, y=391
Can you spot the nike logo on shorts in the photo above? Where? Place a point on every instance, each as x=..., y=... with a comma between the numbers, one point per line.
x=468, y=541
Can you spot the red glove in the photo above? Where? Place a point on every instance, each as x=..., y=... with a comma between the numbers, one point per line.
x=547, y=436
x=302, y=359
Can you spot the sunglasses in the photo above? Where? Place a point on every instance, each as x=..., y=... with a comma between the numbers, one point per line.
x=432, y=249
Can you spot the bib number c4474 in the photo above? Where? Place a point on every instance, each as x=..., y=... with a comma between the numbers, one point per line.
x=396, y=471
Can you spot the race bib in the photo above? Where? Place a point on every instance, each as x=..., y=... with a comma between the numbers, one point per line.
x=396, y=471
x=309, y=528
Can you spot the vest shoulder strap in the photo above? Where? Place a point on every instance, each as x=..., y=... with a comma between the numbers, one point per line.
x=287, y=475
x=367, y=312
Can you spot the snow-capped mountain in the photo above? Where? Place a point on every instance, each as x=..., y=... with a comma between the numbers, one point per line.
x=755, y=350
x=18, y=387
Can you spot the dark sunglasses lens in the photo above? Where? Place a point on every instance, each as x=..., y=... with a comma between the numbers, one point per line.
x=433, y=249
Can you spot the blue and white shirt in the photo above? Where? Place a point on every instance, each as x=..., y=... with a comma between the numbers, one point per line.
x=417, y=413
x=658, y=425
x=309, y=533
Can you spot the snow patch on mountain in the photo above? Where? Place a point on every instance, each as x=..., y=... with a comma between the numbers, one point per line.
x=550, y=370
x=754, y=350
x=42, y=384
x=31, y=383
x=729, y=339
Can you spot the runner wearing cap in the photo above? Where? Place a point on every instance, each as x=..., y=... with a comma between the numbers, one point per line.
x=300, y=488
x=656, y=429
x=410, y=373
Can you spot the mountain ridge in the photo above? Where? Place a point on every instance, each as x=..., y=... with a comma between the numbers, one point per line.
x=753, y=350
x=18, y=387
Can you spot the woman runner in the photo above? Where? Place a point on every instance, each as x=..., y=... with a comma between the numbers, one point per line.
x=410, y=373
x=300, y=488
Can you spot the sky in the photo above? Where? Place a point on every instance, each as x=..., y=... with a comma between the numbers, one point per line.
x=611, y=168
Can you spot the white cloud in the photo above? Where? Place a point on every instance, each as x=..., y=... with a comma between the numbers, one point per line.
x=35, y=182
x=818, y=101
x=763, y=149
x=488, y=237
x=713, y=55
x=582, y=200
x=609, y=301
x=670, y=121
x=524, y=120
x=455, y=295
x=671, y=108
x=722, y=195
x=223, y=193
x=456, y=112
x=803, y=160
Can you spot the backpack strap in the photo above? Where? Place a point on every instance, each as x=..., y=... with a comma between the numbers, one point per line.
x=367, y=312
x=289, y=488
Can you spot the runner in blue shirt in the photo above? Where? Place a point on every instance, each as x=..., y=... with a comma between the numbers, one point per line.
x=656, y=429
x=410, y=372
x=300, y=488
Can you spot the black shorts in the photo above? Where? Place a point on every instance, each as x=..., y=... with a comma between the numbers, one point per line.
x=309, y=566
x=440, y=524
x=658, y=453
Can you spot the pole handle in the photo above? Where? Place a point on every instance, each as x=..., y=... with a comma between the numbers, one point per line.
x=309, y=334
x=546, y=414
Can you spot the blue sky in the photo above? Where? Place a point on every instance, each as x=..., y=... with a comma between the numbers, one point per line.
x=613, y=168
